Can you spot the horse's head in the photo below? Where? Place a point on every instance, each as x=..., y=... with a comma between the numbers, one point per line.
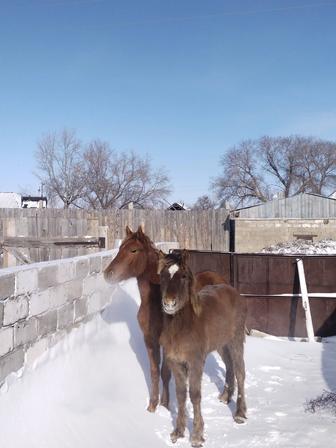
x=177, y=283
x=136, y=256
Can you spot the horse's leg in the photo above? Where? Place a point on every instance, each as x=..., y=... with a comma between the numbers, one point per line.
x=180, y=376
x=228, y=390
x=195, y=380
x=165, y=375
x=237, y=353
x=153, y=350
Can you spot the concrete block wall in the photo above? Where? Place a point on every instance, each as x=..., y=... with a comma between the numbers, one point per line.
x=252, y=235
x=40, y=302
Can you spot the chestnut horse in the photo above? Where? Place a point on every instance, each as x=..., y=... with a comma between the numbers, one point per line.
x=137, y=257
x=195, y=324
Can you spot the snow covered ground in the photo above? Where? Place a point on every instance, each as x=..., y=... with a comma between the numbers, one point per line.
x=303, y=247
x=90, y=391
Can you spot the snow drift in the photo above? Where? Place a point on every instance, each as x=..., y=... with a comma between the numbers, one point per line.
x=91, y=390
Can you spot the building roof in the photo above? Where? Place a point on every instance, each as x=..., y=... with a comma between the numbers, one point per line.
x=10, y=200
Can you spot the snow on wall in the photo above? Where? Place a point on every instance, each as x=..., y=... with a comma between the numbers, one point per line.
x=41, y=302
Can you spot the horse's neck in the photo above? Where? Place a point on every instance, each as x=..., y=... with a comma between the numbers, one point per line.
x=181, y=321
x=148, y=290
x=150, y=272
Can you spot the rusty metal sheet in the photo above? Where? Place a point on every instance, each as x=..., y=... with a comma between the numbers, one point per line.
x=270, y=274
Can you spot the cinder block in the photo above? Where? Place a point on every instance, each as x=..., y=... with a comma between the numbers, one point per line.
x=58, y=296
x=81, y=308
x=7, y=286
x=6, y=340
x=25, y=332
x=66, y=271
x=15, y=309
x=55, y=338
x=26, y=281
x=34, y=352
x=91, y=284
x=47, y=323
x=82, y=268
x=11, y=363
x=106, y=260
x=47, y=276
x=74, y=289
x=65, y=316
x=1, y=313
x=95, y=303
x=39, y=303
x=95, y=264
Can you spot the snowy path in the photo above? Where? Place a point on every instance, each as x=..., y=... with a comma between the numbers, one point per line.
x=90, y=391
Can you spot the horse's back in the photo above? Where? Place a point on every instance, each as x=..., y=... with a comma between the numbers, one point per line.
x=223, y=310
x=205, y=278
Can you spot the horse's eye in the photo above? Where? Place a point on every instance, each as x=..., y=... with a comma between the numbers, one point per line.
x=134, y=250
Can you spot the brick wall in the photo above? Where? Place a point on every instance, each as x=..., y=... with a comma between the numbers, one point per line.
x=41, y=302
x=252, y=235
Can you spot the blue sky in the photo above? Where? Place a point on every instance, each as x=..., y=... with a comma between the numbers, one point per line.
x=179, y=80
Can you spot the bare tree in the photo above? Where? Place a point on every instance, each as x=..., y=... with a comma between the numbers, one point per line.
x=60, y=167
x=255, y=170
x=116, y=179
x=318, y=166
x=242, y=180
x=204, y=203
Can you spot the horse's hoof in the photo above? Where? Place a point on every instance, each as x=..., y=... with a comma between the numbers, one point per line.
x=197, y=440
x=152, y=407
x=240, y=419
x=175, y=435
x=165, y=404
x=224, y=398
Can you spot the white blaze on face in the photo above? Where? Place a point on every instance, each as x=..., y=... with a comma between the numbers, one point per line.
x=173, y=269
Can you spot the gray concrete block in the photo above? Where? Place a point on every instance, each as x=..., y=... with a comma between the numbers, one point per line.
x=81, y=308
x=95, y=264
x=58, y=296
x=47, y=323
x=26, y=281
x=34, y=352
x=65, y=316
x=92, y=284
x=66, y=271
x=25, y=332
x=15, y=309
x=82, y=268
x=47, y=276
x=106, y=260
x=7, y=286
x=1, y=313
x=74, y=290
x=6, y=340
x=11, y=363
x=39, y=303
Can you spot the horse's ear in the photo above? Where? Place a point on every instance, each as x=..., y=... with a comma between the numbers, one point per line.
x=162, y=261
x=128, y=231
x=140, y=229
x=184, y=257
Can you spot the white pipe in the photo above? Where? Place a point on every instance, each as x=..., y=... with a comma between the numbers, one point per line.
x=305, y=300
x=316, y=295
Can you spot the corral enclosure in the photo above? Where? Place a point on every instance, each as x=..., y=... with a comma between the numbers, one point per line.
x=271, y=285
x=47, y=234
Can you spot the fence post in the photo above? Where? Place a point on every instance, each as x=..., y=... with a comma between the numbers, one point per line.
x=305, y=300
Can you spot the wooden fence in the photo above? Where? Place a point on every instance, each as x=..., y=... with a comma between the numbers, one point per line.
x=47, y=234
